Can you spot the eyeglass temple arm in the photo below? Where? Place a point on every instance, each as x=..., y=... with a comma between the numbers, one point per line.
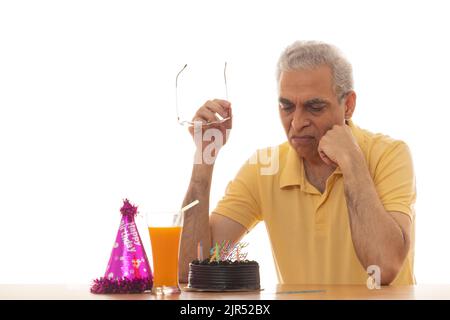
x=225, y=77
x=176, y=91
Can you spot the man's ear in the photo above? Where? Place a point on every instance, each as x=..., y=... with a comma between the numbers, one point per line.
x=350, y=104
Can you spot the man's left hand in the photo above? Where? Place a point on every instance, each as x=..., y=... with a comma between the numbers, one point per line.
x=338, y=145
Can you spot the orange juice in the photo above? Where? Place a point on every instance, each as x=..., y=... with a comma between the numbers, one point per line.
x=165, y=242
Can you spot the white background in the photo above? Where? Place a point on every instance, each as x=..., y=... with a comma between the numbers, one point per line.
x=87, y=113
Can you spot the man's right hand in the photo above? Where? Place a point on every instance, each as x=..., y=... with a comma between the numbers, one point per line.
x=206, y=114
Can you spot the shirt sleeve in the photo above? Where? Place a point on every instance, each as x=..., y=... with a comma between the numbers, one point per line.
x=395, y=180
x=241, y=201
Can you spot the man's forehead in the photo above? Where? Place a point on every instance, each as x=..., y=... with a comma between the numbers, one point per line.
x=306, y=84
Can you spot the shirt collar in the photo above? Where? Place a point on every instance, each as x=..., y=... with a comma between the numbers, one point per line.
x=293, y=173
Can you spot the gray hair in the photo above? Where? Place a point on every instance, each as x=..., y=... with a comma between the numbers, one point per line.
x=311, y=54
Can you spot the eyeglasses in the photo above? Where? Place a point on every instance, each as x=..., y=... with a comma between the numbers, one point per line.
x=192, y=123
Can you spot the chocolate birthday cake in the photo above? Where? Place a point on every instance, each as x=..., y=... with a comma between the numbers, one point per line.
x=224, y=275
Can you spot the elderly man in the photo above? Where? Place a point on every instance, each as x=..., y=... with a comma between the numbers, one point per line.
x=342, y=198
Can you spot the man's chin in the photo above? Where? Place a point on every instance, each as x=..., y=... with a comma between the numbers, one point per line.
x=306, y=152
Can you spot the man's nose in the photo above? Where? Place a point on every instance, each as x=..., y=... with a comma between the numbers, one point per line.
x=300, y=119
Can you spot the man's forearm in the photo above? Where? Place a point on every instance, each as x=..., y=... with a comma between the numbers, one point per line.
x=196, y=220
x=377, y=238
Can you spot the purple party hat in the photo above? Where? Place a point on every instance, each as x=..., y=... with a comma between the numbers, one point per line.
x=128, y=269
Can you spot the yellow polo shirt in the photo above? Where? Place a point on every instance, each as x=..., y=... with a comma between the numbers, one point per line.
x=309, y=232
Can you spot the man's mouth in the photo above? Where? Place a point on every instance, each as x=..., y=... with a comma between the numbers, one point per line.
x=302, y=140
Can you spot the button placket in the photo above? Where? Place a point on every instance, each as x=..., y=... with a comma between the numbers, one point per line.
x=321, y=215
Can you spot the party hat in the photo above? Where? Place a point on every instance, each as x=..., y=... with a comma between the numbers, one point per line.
x=128, y=269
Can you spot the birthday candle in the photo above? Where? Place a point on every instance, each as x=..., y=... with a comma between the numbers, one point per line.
x=229, y=251
x=212, y=253
x=237, y=254
x=217, y=252
x=199, y=251
x=224, y=251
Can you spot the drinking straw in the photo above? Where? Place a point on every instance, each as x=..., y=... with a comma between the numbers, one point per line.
x=185, y=208
x=190, y=205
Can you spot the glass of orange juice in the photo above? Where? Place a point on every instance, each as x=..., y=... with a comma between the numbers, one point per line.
x=165, y=230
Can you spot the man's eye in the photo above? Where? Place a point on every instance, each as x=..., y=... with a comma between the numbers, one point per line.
x=316, y=108
x=286, y=107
